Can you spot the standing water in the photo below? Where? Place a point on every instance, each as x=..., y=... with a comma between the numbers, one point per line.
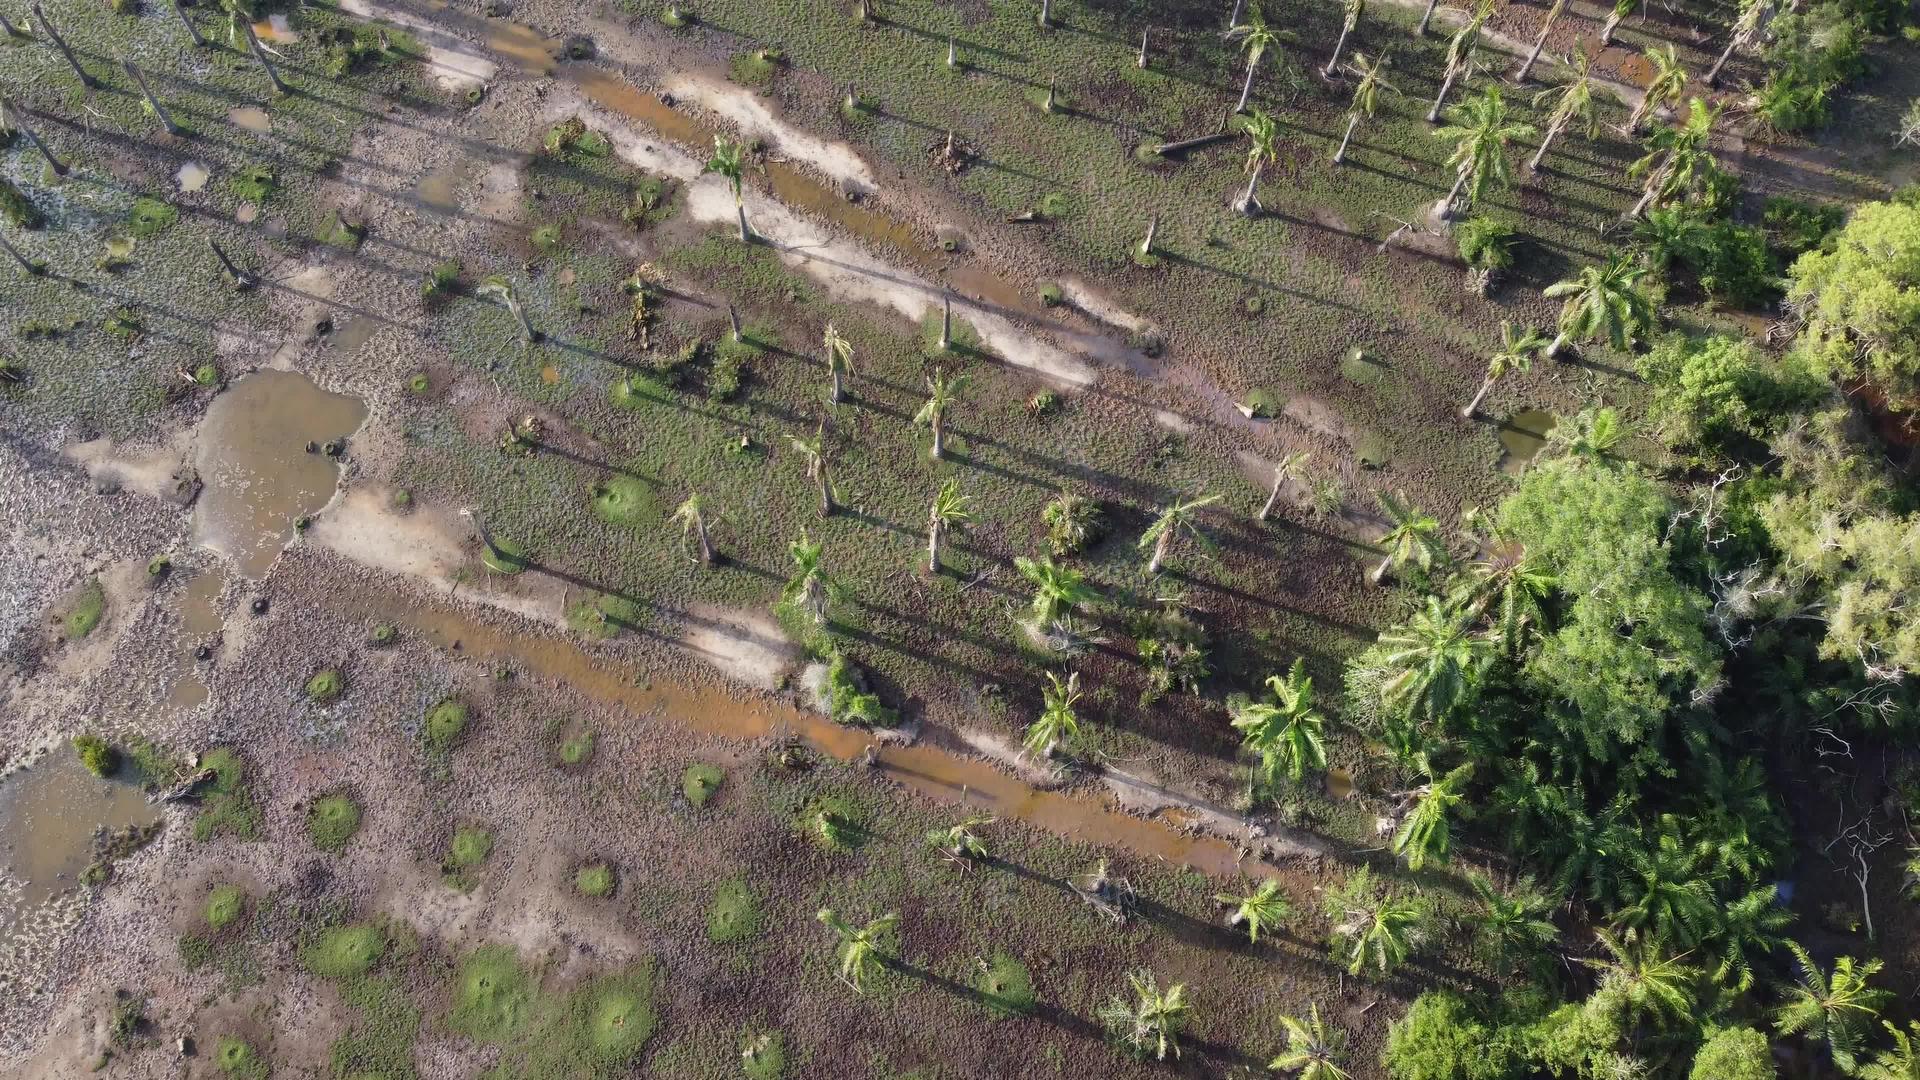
x=254, y=460
x=1521, y=438
x=48, y=815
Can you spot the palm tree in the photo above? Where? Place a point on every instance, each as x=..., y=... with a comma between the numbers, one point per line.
x=1288, y=736
x=809, y=589
x=1665, y=895
x=1263, y=146
x=1182, y=517
x=11, y=116
x=1427, y=832
x=1152, y=1022
x=1414, y=537
x=1057, y=590
x=1352, y=10
x=1372, y=928
x=727, y=160
x=498, y=288
x=962, y=840
x=1505, y=588
x=943, y=392
x=1314, y=1050
x=1553, y=15
x=1255, y=40
x=692, y=517
x=1515, y=354
x=1668, y=82
x=1366, y=96
x=839, y=360
x=1432, y=660
x=1460, y=55
x=1669, y=234
x=1057, y=722
x=1603, y=303
x=1756, y=922
x=1263, y=907
x=815, y=452
x=1480, y=133
x=1677, y=157
x=1589, y=433
x=862, y=950
x=1573, y=101
x=1753, y=15
x=1638, y=977
x=1621, y=9
x=1900, y=1063
x=1512, y=924
x=1291, y=466
x=1831, y=1008
x=949, y=511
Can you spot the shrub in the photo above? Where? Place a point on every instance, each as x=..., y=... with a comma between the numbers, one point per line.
x=1442, y=1037
x=1795, y=227
x=577, y=749
x=325, y=686
x=1073, y=523
x=333, y=821
x=100, y=758
x=445, y=723
x=225, y=905
x=1717, y=393
x=1735, y=1053
x=1733, y=265
x=595, y=880
x=1485, y=244
x=253, y=183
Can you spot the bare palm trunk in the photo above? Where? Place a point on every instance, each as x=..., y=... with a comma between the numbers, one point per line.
x=53, y=35
x=939, y=451
x=1353, y=121
x=1479, y=396
x=1249, y=205
x=1654, y=183
x=733, y=322
x=1048, y=105
x=1379, y=574
x=1333, y=62
x=1553, y=132
x=836, y=393
x=740, y=208
x=32, y=268
x=934, y=529
x=1273, y=498
x=7, y=29
x=1246, y=88
x=1046, y=14
x=953, y=52
x=1453, y=196
x=1446, y=87
x=260, y=54
x=1233, y=20
x=1141, y=61
x=700, y=535
x=240, y=278
x=826, y=487
x=1426, y=18
x=1153, y=226
x=192, y=32
x=159, y=111
x=1538, y=44
x=1552, y=351
x=1737, y=41
x=520, y=316
x=946, y=321
x=1612, y=24
x=9, y=109
x=1160, y=548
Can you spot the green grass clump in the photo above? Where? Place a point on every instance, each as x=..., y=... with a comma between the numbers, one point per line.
x=441, y=282
x=445, y=723
x=333, y=821
x=595, y=880
x=700, y=781
x=382, y=635
x=756, y=68
x=493, y=996
x=15, y=207
x=834, y=823
x=325, y=686
x=225, y=905
x=84, y=614
x=734, y=914
x=604, y=616
x=341, y=233
x=1007, y=986
x=237, y=1058
x=546, y=239
x=226, y=801
x=252, y=183
x=576, y=749
x=151, y=217
x=506, y=557
x=97, y=755
x=206, y=374
x=626, y=500
x=345, y=952
x=604, y=1025
x=763, y=1055
x=469, y=849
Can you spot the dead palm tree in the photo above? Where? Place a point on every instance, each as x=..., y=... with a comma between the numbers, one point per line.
x=1514, y=354
x=1461, y=52
x=692, y=517
x=1553, y=15
x=1291, y=466
x=1181, y=516
x=1669, y=81
x=1573, y=101
x=839, y=361
x=499, y=288
x=13, y=117
x=815, y=452
x=1753, y=16
x=260, y=54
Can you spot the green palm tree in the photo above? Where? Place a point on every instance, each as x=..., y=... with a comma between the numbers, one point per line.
x=1678, y=159
x=1621, y=9
x=1553, y=16
x=1461, y=51
x=692, y=516
x=1427, y=830
x=1753, y=15
x=1413, y=537
x=1753, y=922
x=949, y=511
x=1151, y=1022
x=1515, y=354
x=1511, y=925
x=962, y=840
x=1263, y=146
x=1432, y=660
x=499, y=288
x=839, y=360
x=1255, y=40
x=1638, y=977
x=1669, y=234
x=1057, y=590
x=730, y=162
x=1669, y=81
x=1264, y=907
x=1288, y=735
x=1665, y=895
x=1480, y=133
x=1591, y=433
x=1831, y=1008
x=1572, y=100
x=1372, y=928
x=1180, y=518
x=1314, y=1050
x=1506, y=589
x=943, y=392
x=809, y=590
x=1900, y=1063
x=1057, y=723
x=1351, y=12
x=1603, y=303
x=814, y=450
x=1366, y=96
x=862, y=950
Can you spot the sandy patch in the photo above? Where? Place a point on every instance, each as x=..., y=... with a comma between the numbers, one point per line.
x=1004, y=751
x=455, y=64
x=746, y=111
x=148, y=472
x=745, y=645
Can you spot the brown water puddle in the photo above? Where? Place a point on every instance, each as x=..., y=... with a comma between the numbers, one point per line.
x=259, y=476
x=250, y=118
x=1339, y=784
x=929, y=770
x=440, y=189
x=48, y=815
x=1521, y=438
x=199, y=618
x=347, y=337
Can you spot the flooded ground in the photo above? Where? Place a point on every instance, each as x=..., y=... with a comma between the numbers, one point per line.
x=191, y=176
x=250, y=118
x=1521, y=437
x=199, y=619
x=260, y=477
x=48, y=816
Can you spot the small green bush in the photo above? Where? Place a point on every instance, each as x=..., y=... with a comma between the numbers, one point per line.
x=325, y=686
x=1485, y=243
x=100, y=758
x=207, y=374
x=238, y=1059
x=734, y=914
x=333, y=820
x=595, y=880
x=225, y=905
x=86, y=611
x=445, y=723
x=151, y=217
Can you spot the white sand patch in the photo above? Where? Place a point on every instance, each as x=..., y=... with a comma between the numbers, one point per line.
x=456, y=65
x=1004, y=751
x=746, y=111
x=745, y=645
x=1100, y=306
x=1173, y=421
x=148, y=472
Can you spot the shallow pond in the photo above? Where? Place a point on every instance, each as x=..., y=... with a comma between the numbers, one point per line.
x=48, y=816
x=1521, y=437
